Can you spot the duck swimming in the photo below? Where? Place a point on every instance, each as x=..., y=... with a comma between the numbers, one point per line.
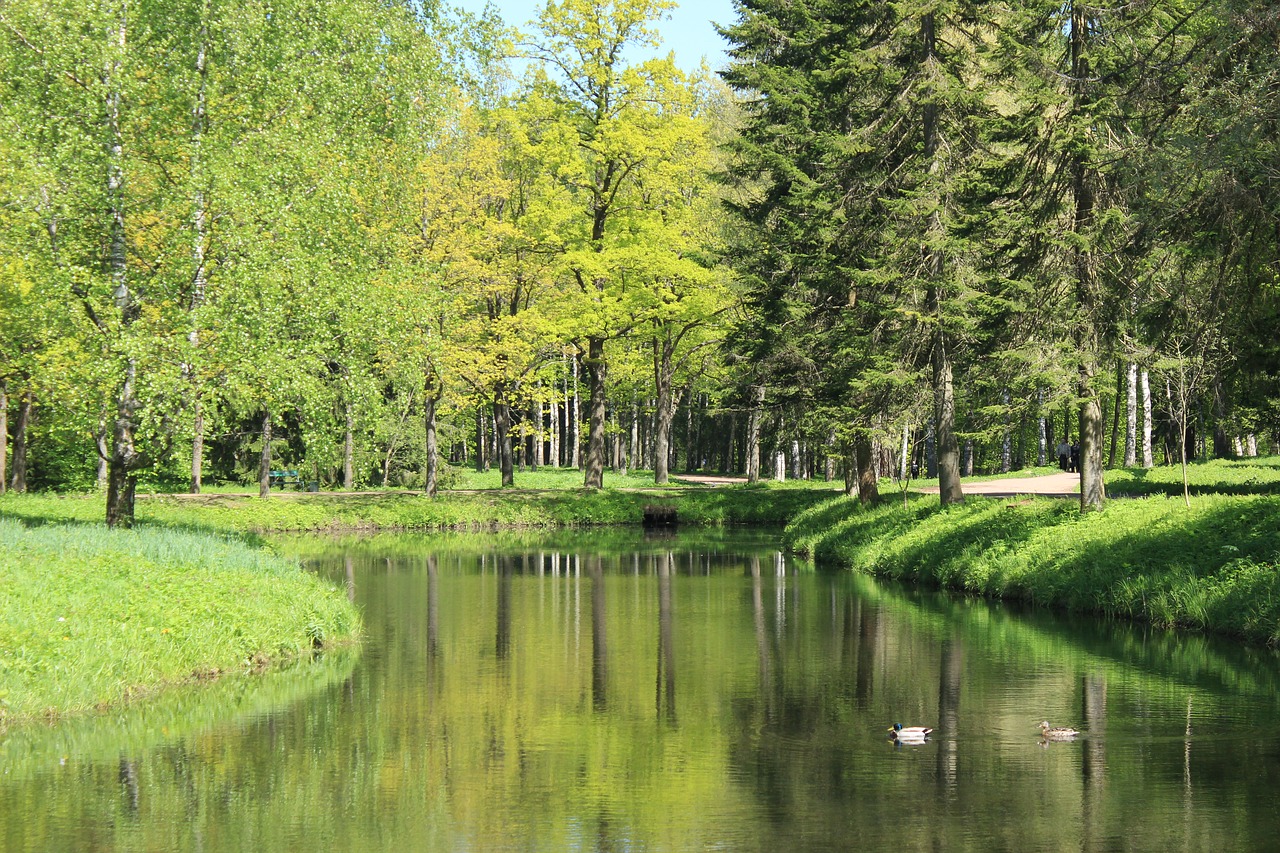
x=1050, y=733
x=901, y=732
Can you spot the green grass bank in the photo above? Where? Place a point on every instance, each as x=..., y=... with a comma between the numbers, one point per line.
x=1214, y=567
x=92, y=618
x=458, y=510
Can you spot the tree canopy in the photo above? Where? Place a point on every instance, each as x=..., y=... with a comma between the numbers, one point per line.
x=359, y=243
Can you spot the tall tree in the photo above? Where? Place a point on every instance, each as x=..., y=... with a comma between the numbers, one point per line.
x=624, y=126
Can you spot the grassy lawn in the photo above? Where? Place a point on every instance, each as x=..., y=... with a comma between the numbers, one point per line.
x=1214, y=566
x=90, y=618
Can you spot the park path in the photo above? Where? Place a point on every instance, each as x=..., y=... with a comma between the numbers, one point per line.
x=1060, y=485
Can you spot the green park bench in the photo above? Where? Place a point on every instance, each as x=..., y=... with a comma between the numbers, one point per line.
x=281, y=478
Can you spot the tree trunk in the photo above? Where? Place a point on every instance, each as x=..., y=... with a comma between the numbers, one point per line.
x=199, y=278
x=904, y=469
x=1092, y=493
x=535, y=436
x=1006, y=438
x=635, y=435
x=502, y=436
x=1131, y=426
x=753, y=434
x=692, y=422
x=4, y=435
x=575, y=421
x=122, y=479
x=596, y=369
x=864, y=456
x=1145, y=382
x=122, y=485
x=104, y=454
x=433, y=457
x=197, y=446
x=264, y=459
x=554, y=417
x=125, y=459
x=664, y=413
x=930, y=452
x=21, y=431
x=482, y=458
x=1092, y=490
x=349, y=446
x=944, y=404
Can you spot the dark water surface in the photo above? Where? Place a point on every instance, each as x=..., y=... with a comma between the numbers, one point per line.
x=609, y=692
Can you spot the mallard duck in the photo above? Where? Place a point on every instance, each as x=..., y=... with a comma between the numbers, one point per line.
x=901, y=732
x=1050, y=733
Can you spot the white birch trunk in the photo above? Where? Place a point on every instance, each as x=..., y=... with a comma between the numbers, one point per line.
x=1131, y=427
x=199, y=278
x=576, y=412
x=554, y=408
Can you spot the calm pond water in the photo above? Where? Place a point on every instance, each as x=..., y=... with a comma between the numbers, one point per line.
x=609, y=692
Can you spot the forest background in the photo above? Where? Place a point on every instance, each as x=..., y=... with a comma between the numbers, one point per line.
x=367, y=241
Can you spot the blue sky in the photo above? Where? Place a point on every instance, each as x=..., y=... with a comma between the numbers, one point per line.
x=688, y=31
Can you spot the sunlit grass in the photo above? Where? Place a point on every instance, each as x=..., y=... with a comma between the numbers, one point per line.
x=1253, y=476
x=90, y=618
x=481, y=509
x=1213, y=567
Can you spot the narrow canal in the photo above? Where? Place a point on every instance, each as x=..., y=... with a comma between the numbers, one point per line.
x=607, y=691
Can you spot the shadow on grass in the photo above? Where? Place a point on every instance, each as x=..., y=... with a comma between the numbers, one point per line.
x=1210, y=568
x=40, y=514
x=1255, y=476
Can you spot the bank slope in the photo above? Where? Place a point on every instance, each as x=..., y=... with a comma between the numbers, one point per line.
x=90, y=618
x=1212, y=567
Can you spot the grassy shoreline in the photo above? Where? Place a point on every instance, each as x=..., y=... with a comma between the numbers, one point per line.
x=472, y=510
x=1214, y=567
x=92, y=619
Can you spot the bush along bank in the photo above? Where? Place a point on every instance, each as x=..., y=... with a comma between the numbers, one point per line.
x=1214, y=567
x=91, y=618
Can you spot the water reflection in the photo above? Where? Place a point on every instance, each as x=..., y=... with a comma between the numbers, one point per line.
x=511, y=696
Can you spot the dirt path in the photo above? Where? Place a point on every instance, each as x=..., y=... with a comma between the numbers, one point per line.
x=1061, y=485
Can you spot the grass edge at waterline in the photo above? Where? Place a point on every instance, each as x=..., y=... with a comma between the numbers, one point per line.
x=92, y=618
x=1214, y=567
x=762, y=504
